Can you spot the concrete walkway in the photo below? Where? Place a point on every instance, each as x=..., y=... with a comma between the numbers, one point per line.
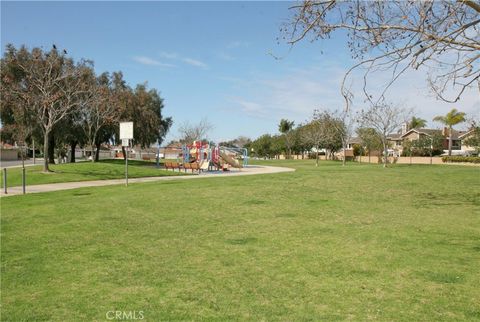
x=18, y=163
x=250, y=170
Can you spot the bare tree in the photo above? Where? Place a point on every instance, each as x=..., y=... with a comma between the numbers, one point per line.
x=48, y=81
x=322, y=132
x=397, y=35
x=384, y=119
x=194, y=132
x=312, y=134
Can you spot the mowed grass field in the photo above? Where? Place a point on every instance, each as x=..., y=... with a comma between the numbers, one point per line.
x=84, y=171
x=322, y=244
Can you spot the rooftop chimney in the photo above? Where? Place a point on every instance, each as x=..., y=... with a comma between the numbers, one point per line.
x=404, y=128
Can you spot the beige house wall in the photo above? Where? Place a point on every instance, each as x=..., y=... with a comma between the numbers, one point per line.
x=412, y=136
x=403, y=160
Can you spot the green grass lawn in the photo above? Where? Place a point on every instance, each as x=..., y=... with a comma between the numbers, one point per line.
x=84, y=171
x=322, y=244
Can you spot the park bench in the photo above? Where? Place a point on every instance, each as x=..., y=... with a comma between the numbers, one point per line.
x=195, y=167
x=172, y=165
x=145, y=158
x=192, y=166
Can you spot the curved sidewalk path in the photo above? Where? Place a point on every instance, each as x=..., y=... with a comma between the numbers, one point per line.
x=250, y=170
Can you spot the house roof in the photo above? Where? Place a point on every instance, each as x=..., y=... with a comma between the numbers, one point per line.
x=7, y=146
x=394, y=136
x=429, y=132
x=456, y=135
x=355, y=140
x=464, y=134
x=176, y=145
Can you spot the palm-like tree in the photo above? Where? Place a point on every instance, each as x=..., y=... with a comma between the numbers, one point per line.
x=285, y=127
x=417, y=122
x=452, y=118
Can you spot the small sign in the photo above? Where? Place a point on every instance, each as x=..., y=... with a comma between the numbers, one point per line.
x=126, y=130
x=125, y=142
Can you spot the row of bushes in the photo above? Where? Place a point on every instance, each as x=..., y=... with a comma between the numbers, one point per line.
x=461, y=159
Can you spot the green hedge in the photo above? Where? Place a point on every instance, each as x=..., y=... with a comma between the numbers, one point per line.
x=461, y=159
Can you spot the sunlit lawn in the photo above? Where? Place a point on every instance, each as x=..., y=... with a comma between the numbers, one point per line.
x=321, y=244
x=84, y=171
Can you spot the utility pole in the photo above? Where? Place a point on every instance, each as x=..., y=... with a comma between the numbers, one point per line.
x=126, y=135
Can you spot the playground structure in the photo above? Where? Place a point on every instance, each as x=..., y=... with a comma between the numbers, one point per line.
x=207, y=157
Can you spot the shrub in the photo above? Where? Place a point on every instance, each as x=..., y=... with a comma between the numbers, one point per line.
x=461, y=159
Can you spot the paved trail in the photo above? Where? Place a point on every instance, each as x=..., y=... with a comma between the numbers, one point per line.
x=250, y=170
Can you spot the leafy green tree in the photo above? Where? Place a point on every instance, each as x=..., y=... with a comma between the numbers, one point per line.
x=278, y=145
x=143, y=107
x=286, y=128
x=371, y=140
x=357, y=150
x=262, y=146
x=452, y=118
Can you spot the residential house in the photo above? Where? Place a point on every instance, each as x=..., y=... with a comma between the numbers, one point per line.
x=463, y=147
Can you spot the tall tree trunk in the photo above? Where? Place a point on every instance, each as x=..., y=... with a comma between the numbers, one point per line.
x=344, y=154
x=316, y=158
x=45, y=151
x=51, y=149
x=73, y=145
x=450, y=140
x=97, y=153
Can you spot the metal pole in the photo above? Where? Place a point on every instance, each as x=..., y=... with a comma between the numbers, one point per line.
x=5, y=180
x=23, y=180
x=126, y=164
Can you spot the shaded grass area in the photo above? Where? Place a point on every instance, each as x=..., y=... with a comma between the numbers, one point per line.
x=84, y=171
x=328, y=243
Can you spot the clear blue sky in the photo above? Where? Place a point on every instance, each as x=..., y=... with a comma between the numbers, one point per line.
x=208, y=59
